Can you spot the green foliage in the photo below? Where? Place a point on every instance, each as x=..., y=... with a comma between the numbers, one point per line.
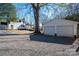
x=62, y=4
x=73, y=17
x=7, y=12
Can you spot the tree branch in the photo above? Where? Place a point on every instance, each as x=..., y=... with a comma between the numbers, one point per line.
x=33, y=5
x=43, y=4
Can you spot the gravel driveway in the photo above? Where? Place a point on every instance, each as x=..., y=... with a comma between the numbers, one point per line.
x=24, y=45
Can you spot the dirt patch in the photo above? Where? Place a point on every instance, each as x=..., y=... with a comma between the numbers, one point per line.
x=19, y=31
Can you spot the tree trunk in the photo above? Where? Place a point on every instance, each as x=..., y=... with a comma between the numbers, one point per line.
x=36, y=16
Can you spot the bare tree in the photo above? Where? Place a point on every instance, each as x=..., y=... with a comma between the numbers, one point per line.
x=36, y=11
x=36, y=8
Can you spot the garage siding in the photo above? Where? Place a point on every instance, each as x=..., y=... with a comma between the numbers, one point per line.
x=65, y=30
x=61, y=27
x=50, y=30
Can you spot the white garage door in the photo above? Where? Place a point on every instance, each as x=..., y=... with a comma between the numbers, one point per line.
x=65, y=30
x=49, y=30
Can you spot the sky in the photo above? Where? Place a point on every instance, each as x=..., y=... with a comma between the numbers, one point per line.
x=54, y=11
x=23, y=12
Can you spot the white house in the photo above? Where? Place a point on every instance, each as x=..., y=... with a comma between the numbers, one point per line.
x=19, y=25
x=15, y=25
x=60, y=27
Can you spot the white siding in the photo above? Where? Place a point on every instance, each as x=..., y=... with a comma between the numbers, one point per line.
x=61, y=28
x=75, y=29
x=65, y=30
x=15, y=25
x=50, y=30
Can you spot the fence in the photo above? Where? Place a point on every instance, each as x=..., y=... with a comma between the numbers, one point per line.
x=3, y=27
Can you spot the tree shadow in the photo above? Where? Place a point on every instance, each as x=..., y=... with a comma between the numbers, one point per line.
x=52, y=39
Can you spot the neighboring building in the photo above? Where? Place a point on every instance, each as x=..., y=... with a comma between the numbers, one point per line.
x=16, y=25
x=60, y=27
x=3, y=25
x=19, y=25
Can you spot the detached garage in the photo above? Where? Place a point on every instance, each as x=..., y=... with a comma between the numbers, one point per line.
x=60, y=27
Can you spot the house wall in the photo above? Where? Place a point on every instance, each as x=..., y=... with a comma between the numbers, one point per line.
x=15, y=25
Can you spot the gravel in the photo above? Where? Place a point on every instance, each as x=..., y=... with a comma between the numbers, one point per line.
x=21, y=45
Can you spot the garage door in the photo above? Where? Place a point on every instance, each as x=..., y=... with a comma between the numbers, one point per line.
x=65, y=30
x=49, y=30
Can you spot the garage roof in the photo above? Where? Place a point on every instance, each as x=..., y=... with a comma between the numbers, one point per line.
x=61, y=20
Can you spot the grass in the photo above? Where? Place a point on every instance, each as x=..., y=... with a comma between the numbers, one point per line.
x=18, y=31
